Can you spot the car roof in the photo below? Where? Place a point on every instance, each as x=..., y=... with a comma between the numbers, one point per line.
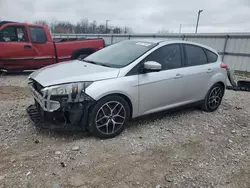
x=5, y=22
x=171, y=41
x=149, y=40
x=189, y=42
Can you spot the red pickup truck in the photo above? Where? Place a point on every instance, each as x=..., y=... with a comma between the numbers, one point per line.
x=30, y=46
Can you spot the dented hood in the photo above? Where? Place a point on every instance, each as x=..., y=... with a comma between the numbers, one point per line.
x=72, y=71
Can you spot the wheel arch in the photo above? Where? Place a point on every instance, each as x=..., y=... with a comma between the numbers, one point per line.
x=205, y=106
x=219, y=78
x=222, y=84
x=125, y=97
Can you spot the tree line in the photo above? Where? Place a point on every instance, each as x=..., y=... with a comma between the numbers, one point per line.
x=84, y=26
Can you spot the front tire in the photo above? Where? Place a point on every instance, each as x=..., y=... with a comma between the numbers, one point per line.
x=109, y=117
x=213, y=98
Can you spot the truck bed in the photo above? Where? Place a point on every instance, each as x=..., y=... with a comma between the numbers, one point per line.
x=71, y=39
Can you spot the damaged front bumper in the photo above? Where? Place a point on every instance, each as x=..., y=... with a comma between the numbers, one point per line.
x=44, y=101
x=59, y=112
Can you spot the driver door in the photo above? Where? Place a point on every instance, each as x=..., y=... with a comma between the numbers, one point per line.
x=164, y=89
x=16, y=50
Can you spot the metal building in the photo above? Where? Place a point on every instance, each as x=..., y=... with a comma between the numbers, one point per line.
x=234, y=48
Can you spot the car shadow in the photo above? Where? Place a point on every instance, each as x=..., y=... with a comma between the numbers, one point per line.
x=150, y=118
x=147, y=119
x=15, y=73
x=63, y=134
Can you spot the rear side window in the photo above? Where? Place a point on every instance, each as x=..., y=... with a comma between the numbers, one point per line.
x=195, y=55
x=211, y=56
x=38, y=35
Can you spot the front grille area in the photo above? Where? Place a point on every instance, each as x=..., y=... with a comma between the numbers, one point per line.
x=44, y=101
x=38, y=87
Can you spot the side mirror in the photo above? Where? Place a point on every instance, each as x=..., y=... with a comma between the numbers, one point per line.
x=152, y=66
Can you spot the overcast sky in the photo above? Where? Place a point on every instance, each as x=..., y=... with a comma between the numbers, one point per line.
x=143, y=16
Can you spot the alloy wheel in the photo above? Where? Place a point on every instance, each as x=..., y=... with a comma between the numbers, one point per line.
x=110, y=117
x=215, y=97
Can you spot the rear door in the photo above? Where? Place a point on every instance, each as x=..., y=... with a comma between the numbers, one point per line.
x=198, y=73
x=43, y=49
x=16, y=50
x=162, y=90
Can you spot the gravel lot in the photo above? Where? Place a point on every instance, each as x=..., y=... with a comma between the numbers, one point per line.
x=188, y=148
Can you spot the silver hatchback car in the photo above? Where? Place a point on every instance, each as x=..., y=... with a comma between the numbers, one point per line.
x=128, y=79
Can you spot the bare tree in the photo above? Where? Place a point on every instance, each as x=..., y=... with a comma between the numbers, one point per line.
x=52, y=26
x=101, y=29
x=117, y=30
x=43, y=22
x=92, y=27
x=127, y=30
x=63, y=27
x=83, y=26
x=164, y=31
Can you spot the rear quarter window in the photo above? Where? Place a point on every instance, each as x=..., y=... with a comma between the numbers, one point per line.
x=211, y=56
x=38, y=35
x=195, y=55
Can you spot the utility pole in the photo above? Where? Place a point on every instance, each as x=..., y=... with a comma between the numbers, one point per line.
x=180, y=28
x=107, y=25
x=199, y=12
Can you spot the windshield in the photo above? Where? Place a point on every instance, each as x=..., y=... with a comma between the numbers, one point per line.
x=120, y=54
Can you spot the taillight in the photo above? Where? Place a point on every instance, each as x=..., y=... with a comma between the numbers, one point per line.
x=223, y=65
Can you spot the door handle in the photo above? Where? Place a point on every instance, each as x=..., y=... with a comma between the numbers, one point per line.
x=209, y=70
x=177, y=76
x=27, y=46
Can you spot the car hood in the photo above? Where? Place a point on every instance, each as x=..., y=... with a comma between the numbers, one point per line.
x=72, y=71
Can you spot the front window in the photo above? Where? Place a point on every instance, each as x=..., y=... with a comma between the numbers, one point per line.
x=168, y=56
x=120, y=54
x=13, y=34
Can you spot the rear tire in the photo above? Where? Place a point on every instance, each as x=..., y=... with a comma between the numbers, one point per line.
x=213, y=98
x=109, y=117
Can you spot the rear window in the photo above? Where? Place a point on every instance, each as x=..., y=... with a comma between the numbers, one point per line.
x=211, y=56
x=38, y=35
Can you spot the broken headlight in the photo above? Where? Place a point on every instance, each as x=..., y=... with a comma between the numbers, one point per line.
x=66, y=89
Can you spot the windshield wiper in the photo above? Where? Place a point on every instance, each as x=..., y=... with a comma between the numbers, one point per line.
x=96, y=63
x=92, y=62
